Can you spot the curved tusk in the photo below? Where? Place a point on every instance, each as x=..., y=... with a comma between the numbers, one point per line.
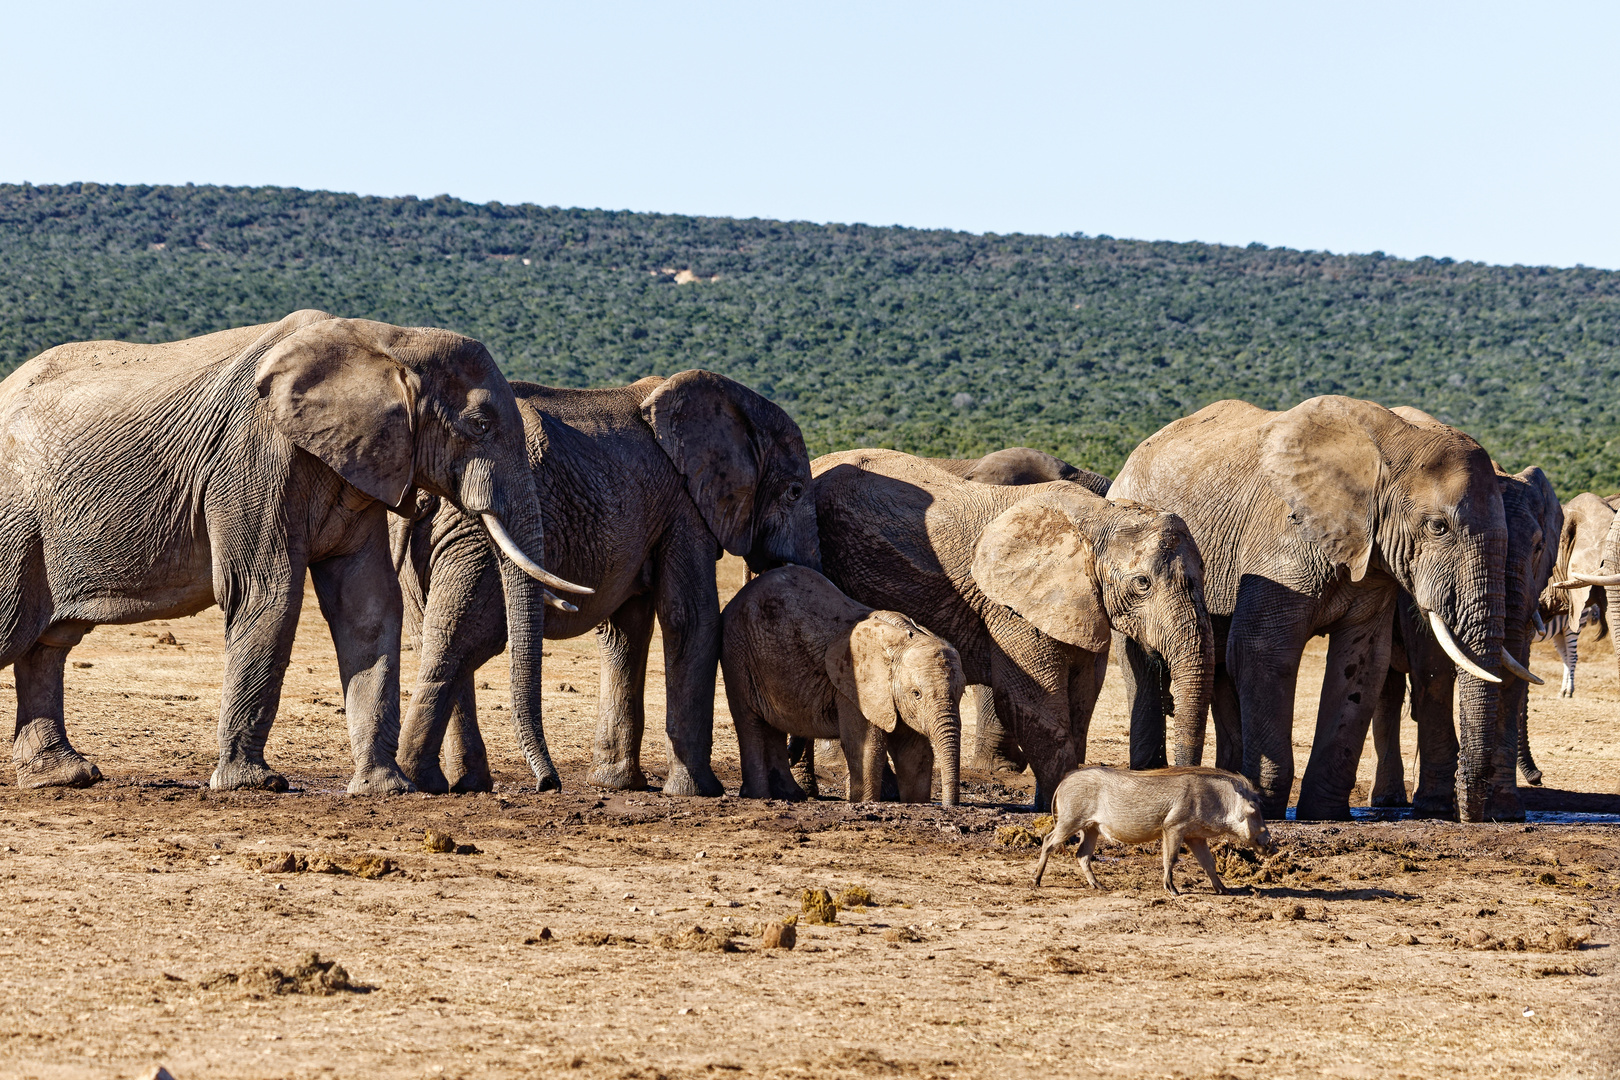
x=1602, y=581
x=1536, y=621
x=556, y=601
x=1442, y=634
x=497, y=531
x=1518, y=669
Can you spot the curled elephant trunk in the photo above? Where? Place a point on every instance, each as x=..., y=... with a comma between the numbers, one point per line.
x=946, y=735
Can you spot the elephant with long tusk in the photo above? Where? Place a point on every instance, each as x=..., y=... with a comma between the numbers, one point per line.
x=1311, y=521
x=1425, y=653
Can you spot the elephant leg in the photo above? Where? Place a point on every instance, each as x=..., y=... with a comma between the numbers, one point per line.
x=1502, y=802
x=1263, y=651
x=1084, y=685
x=1032, y=694
x=260, y=622
x=463, y=626
x=1145, y=683
x=865, y=751
x=751, y=752
x=1433, y=694
x=359, y=595
x=1389, y=783
x=995, y=749
x=1223, y=705
x=778, y=771
x=802, y=759
x=623, y=641
x=40, y=750
x=1527, y=763
x=464, y=756
x=689, y=613
x=913, y=758
x=1357, y=661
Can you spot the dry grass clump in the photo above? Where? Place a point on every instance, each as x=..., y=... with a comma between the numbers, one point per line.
x=816, y=905
x=854, y=896
x=1026, y=836
x=597, y=937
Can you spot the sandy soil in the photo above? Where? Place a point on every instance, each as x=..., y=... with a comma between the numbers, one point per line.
x=140, y=925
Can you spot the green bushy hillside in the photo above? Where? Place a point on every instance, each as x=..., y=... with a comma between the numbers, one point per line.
x=930, y=341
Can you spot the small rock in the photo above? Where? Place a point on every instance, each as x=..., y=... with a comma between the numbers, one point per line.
x=902, y=933
x=779, y=936
x=157, y=1072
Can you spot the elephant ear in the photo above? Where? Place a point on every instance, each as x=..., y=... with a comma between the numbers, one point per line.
x=703, y=422
x=333, y=388
x=862, y=668
x=1322, y=458
x=1034, y=559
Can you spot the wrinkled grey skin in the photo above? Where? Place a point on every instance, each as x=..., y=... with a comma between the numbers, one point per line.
x=801, y=658
x=150, y=481
x=1184, y=804
x=1018, y=465
x=644, y=485
x=1534, y=521
x=1027, y=582
x=1309, y=522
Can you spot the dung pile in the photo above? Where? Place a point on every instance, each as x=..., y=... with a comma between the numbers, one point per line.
x=697, y=939
x=312, y=975
x=293, y=862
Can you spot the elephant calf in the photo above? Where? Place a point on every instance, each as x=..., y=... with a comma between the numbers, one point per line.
x=801, y=658
x=1185, y=804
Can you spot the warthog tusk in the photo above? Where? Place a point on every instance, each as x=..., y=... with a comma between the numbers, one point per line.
x=1517, y=668
x=497, y=531
x=1442, y=634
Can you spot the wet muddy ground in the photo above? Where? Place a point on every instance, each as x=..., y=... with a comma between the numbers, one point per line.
x=148, y=920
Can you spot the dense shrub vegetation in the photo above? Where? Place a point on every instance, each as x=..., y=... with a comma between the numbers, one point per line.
x=930, y=341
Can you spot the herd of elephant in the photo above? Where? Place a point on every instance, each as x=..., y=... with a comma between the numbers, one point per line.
x=423, y=491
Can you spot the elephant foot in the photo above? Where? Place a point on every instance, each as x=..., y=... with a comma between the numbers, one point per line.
x=1503, y=804
x=56, y=768
x=1443, y=809
x=246, y=776
x=807, y=782
x=617, y=776
x=682, y=781
x=785, y=787
x=469, y=782
x=1389, y=800
x=380, y=780
x=996, y=761
x=427, y=776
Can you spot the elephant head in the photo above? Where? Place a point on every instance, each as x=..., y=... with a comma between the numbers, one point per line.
x=1078, y=567
x=391, y=409
x=899, y=673
x=745, y=466
x=1420, y=501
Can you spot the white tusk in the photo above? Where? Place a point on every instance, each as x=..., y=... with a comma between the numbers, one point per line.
x=1517, y=668
x=498, y=532
x=1602, y=581
x=1569, y=584
x=1536, y=621
x=556, y=601
x=1442, y=634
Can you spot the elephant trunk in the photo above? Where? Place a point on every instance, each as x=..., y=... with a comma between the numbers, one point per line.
x=1192, y=681
x=946, y=735
x=1479, y=705
x=526, y=600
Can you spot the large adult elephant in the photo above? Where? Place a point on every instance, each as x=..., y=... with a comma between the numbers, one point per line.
x=644, y=486
x=1309, y=522
x=1534, y=521
x=1028, y=582
x=1018, y=465
x=150, y=481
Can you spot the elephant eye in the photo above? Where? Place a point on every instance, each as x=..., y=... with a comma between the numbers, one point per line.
x=794, y=491
x=1142, y=582
x=1437, y=526
x=479, y=423
x=916, y=693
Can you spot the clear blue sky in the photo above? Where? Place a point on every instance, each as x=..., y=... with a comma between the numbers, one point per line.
x=1476, y=130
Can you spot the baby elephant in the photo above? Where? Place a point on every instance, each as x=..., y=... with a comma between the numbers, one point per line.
x=801, y=658
x=1187, y=804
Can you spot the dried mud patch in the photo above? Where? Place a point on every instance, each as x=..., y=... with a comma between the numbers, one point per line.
x=311, y=975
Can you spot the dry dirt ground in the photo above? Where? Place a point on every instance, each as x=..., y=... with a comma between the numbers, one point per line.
x=140, y=925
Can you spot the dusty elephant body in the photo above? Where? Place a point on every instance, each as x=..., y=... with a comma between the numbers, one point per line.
x=644, y=485
x=1582, y=549
x=801, y=658
x=1534, y=521
x=1186, y=804
x=1027, y=582
x=150, y=481
x=1309, y=522
x=1018, y=465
